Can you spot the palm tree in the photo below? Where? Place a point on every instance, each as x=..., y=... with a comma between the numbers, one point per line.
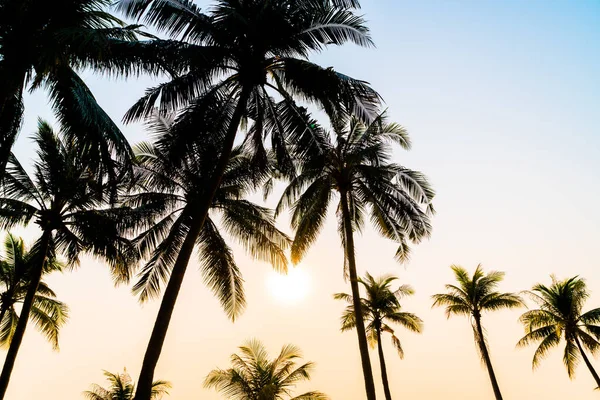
x=357, y=167
x=64, y=200
x=379, y=307
x=167, y=200
x=47, y=313
x=122, y=388
x=560, y=316
x=254, y=376
x=472, y=297
x=42, y=45
x=236, y=57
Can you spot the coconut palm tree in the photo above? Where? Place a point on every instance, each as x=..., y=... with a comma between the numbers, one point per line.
x=381, y=307
x=354, y=164
x=47, y=313
x=560, y=316
x=122, y=388
x=64, y=199
x=238, y=56
x=167, y=199
x=254, y=376
x=43, y=44
x=472, y=297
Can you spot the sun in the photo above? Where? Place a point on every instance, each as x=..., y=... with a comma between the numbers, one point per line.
x=291, y=288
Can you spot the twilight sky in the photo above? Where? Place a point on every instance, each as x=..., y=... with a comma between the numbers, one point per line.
x=501, y=100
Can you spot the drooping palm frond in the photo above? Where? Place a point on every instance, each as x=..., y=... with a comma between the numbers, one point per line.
x=122, y=388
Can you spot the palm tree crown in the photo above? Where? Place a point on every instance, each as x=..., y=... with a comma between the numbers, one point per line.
x=42, y=45
x=254, y=376
x=381, y=306
x=560, y=316
x=47, y=313
x=122, y=388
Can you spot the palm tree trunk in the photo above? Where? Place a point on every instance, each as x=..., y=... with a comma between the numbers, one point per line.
x=36, y=276
x=384, y=378
x=588, y=363
x=163, y=318
x=358, y=314
x=486, y=358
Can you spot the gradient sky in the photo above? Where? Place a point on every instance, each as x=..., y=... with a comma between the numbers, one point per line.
x=501, y=100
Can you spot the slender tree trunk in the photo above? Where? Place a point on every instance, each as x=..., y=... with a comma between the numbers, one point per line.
x=161, y=325
x=36, y=276
x=358, y=314
x=487, y=360
x=384, y=378
x=588, y=363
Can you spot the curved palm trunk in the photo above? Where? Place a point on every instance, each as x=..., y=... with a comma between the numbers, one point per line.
x=165, y=312
x=588, y=363
x=486, y=358
x=358, y=314
x=36, y=276
x=384, y=378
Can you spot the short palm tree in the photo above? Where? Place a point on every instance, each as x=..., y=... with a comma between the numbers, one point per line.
x=233, y=59
x=167, y=197
x=355, y=165
x=381, y=307
x=472, y=297
x=253, y=376
x=64, y=199
x=43, y=44
x=122, y=388
x=47, y=313
x=560, y=316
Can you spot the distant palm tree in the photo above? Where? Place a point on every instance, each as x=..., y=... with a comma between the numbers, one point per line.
x=560, y=316
x=43, y=44
x=69, y=207
x=122, y=388
x=234, y=59
x=355, y=164
x=47, y=313
x=379, y=307
x=254, y=376
x=472, y=297
x=167, y=198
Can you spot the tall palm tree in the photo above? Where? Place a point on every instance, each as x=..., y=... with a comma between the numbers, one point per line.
x=47, y=313
x=238, y=56
x=43, y=44
x=122, y=388
x=380, y=307
x=560, y=316
x=355, y=165
x=63, y=198
x=167, y=200
x=472, y=297
x=254, y=376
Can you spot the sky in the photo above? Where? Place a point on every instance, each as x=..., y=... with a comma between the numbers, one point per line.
x=501, y=100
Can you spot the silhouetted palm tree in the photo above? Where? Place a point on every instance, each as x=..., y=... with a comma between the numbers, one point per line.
x=42, y=45
x=380, y=307
x=472, y=297
x=122, y=388
x=47, y=313
x=167, y=201
x=254, y=376
x=355, y=164
x=66, y=202
x=560, y=316
x=235, y=58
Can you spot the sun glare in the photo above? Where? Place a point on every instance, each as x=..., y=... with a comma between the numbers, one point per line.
x=291, y=288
